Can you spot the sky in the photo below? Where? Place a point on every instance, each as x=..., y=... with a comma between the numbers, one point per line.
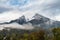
x=13, y=9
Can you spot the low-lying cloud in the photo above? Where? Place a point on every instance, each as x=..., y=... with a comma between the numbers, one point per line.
x=17, y=26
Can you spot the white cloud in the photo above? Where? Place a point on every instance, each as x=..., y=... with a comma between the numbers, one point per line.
x=43, y=7
x=15, y=14
x=57, y=17
x=10, y=15
x=17, y=26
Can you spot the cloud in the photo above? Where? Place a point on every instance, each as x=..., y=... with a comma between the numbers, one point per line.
x=15, y=14
x=10, y=15
x=2, y=9
x=17, y=26
x=13, y=3
x=48, y=8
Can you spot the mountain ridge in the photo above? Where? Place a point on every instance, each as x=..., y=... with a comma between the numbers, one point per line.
x=38, y=20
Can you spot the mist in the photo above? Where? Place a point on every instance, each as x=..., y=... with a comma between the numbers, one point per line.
x=17, y=26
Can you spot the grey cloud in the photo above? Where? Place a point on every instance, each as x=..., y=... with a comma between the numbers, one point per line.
x=44, y=7
x=53, y=8
x=2, y=9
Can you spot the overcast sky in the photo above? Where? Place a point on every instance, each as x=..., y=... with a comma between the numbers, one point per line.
x=13, y=9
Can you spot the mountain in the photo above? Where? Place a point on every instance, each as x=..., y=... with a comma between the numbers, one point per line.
x=21, y=20
x=56, y=24
x=37, y=21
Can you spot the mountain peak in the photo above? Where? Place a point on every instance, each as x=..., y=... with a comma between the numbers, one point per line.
x=37, y=16
x=22, y=17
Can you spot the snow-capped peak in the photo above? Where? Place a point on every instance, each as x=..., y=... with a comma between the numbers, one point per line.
x=29, y=16
x=37, y=16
